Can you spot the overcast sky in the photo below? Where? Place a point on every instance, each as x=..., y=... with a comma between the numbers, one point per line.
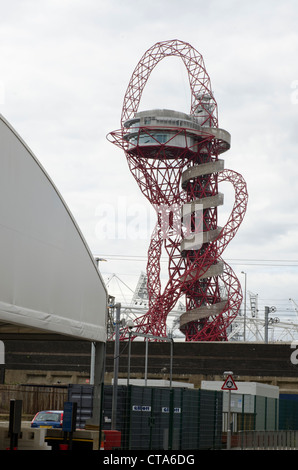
x=64, y=69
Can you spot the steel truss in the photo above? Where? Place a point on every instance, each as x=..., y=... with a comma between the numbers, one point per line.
x=177, y=168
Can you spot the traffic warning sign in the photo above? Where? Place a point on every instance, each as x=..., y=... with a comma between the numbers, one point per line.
x=229, y=384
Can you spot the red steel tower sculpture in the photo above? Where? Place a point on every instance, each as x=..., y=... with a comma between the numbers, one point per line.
x=174, y=158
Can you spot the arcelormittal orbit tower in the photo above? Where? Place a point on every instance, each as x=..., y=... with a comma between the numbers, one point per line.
x=176, y=161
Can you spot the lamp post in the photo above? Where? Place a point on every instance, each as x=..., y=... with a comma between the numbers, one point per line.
x=130, y=326
x=146, y=338
x=244, y=322
x=93, y=344
x=116, y=365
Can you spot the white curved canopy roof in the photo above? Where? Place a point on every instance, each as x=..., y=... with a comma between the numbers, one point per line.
x=48, y=278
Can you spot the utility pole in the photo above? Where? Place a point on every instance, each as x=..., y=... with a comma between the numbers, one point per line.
x=116, y=365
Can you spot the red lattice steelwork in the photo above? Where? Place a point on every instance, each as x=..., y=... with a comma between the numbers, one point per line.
x=174, y=158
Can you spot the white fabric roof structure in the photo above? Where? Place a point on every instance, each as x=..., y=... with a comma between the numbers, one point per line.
x=49, y=280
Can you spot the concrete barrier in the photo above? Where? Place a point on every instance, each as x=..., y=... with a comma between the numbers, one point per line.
x=29, y=439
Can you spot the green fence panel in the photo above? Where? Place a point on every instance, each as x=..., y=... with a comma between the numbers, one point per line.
x=172, y=419
x=288, y=414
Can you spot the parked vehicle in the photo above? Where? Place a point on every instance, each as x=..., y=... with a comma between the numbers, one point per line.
x=48, y=419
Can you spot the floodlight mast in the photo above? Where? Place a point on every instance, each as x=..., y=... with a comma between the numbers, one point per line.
x=174, y=158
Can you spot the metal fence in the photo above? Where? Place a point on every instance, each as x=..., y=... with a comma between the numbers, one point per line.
x=166, y=418
x=251, y=412
x=191, y=419
x=263, y=422
x=258, y=413
x=172, y=418
x=288, y=413
x=266, y=440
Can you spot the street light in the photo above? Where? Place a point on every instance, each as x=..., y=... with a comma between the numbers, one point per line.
x=92, y=360
x=116, y=365
x=244, y=323
x=130, y=326
x=146, y=337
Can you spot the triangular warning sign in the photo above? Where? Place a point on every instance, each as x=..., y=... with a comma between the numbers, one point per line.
x=229, y=384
